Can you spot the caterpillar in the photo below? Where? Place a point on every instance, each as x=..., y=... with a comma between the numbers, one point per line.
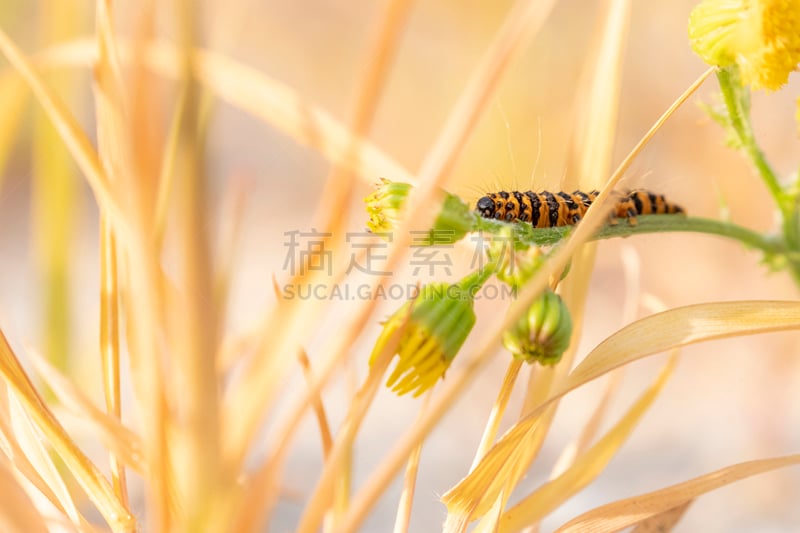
x=547, y=210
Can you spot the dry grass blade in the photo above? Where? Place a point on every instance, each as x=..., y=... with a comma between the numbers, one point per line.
x=55, y=200
x=30, y=457
x=18, y=512
x=587, y=467
x=681, y=327
x=498, y=410
x=70, y=132
x=13, y=96
x=625, y=513
x=403, y=517
x=457, y=522
x=89, y=477
x=322, y=496
x=663, y=522
x=319, y=408
x=598, y=96
x=118, y=439
x=109, y=343
x=654, y=334
x=256, y=93
x=338, y=185
x=201, y=482
x=281, y=107
x=477, y=493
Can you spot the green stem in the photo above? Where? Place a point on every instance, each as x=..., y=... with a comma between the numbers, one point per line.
x=475, y=280
x=775, y=250
x=737, y=101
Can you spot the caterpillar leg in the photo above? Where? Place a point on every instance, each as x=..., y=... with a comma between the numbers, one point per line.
x=632, y=217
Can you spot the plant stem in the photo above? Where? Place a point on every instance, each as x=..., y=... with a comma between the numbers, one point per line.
x=737, y=101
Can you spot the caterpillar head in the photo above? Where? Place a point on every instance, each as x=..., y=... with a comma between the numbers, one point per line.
x=486, y=207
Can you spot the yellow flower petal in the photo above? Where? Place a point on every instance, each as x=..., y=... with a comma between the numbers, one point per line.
x=761, y=36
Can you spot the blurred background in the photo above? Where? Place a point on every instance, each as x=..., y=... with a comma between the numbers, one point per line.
x=729, y=401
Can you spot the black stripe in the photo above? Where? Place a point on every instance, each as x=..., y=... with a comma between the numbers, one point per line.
x=552, y=205
x=571, y=205
x=637, y=202
x=654, y=201
x=535, y=207
x=586, y=200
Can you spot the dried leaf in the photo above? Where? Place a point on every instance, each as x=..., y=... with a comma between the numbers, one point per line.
x=623, y=513
x=18, y=512
x=587, y=467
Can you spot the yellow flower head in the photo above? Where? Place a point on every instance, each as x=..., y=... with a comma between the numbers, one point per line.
x=436, y=326
x=385, y=207
x=762, y=37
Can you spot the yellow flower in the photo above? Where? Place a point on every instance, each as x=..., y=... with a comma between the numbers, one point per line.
x=436, y=326
x=385, y=207
x=762, y=37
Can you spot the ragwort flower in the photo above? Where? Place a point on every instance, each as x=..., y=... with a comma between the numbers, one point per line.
x=762, y=37
x=436, y=324
x=385, y=207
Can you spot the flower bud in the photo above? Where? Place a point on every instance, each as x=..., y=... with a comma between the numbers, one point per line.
x=542, y=333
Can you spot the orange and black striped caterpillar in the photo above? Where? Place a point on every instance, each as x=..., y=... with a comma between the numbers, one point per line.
x=548, y=210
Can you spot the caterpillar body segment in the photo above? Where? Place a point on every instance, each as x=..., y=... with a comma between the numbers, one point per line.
x=642, y=202
x=548, y=210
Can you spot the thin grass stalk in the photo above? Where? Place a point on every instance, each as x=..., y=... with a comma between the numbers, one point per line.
x=519, y=462
x=166, y=178
x=19, y=512
x=70, y=133
x=319, y=409
x=597, y=100
x=31, y=458
x=13, y=100
x=403, y=516
x=55, y=201
x=326, y=441
x=549, y=496
x=339, y=183
x=86, y=473
x=261, y=489
x=109, y=345
x=457, y=523
x=122, y=442
x=202, y=486
x=321, y=497
x=234, y=207
x=498, y=410
x=144, y=299
x=592, y=426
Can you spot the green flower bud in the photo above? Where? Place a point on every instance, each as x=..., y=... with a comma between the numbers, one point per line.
x=385, y=206
x=542, y=334
x=515, y=266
